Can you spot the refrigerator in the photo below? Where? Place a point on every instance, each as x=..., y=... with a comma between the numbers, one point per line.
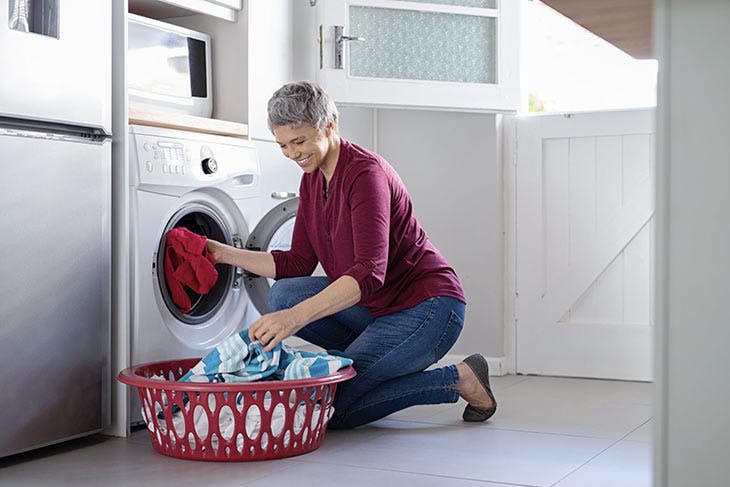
x=55, y=207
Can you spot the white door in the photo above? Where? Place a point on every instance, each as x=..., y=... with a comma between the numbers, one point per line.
x=453, y=54
x=584, y=205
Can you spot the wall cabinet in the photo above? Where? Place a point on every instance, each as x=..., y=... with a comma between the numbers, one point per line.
x=442, y=54
x=254, y=51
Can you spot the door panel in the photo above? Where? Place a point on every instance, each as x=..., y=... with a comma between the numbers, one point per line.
x=584, y=244
x=65, y=79
x=55, y=279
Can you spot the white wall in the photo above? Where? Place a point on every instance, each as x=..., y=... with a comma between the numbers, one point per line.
x=693, y=236
x=451, y=164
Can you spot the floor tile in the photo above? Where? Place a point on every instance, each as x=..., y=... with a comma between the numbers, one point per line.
x=115, y=461
x=343, y=475
x=615, y=391
x=626, y=464
x=599, y=409
x=465, y=451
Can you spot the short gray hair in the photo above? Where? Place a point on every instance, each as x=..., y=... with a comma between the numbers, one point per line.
x=301, y=102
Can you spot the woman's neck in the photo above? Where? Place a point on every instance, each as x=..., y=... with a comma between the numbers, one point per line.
x=330, y=160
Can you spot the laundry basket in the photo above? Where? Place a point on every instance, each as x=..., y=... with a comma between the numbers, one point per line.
x=232, y=422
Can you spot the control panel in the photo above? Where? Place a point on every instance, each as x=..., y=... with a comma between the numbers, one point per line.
x=164, y=157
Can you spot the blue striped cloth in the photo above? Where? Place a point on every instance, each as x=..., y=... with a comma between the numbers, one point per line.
x=237, y=359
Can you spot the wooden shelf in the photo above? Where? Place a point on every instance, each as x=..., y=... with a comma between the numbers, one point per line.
x=161, y=118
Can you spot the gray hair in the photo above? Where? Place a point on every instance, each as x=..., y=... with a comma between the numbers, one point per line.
x=301, y=102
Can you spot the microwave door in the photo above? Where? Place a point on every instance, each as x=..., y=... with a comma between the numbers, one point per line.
x=55, y=59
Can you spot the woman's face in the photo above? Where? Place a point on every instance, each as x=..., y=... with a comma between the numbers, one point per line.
x=305, y=145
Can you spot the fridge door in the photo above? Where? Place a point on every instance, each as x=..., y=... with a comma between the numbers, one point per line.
x=55, y=60
x=55, y=289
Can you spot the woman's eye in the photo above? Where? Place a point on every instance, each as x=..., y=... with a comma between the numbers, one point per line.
x=299, y=142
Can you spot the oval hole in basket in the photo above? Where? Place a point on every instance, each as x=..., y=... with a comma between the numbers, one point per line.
x=304, y=436
x=292, y=398
x=267, y=400
x=160, y=418
x=191, y=441
x=239, y=442
x=239, y=402
x=201, y=422
x=299, y=416
x=211, y=402
x=226, y=422
x=178, y=420
x=214, y=442
x=147, y=414
x=264, y=441
x=278, y=416
x=315, y=416
x=287, y=439
x=253, y=421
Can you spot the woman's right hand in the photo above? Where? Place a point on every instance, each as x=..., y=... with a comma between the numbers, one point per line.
x=217, y=250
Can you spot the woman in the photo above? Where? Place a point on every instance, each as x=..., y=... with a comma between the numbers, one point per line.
x=390, y=301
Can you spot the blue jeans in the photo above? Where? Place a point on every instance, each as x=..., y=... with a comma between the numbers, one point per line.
x=389, y=353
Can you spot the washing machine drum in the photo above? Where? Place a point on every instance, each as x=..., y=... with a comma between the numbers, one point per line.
x=274, y=232
x=202, y=220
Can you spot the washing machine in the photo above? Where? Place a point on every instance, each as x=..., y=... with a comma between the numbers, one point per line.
x=211, y=185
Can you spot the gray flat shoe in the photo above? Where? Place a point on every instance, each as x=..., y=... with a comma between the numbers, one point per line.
x=479, y=366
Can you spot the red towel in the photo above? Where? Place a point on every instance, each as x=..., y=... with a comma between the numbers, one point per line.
x=187, y=263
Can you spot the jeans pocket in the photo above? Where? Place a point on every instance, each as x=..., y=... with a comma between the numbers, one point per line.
x=449, y=335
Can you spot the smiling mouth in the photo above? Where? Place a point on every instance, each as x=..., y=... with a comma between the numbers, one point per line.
x=303, y=162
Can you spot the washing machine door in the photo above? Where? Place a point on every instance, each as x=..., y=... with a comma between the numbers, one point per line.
x=274, y=232
x=217, y=314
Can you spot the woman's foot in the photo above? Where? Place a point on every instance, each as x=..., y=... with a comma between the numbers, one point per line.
x=474, y=387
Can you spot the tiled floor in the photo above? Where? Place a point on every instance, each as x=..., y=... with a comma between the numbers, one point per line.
x=547, y=432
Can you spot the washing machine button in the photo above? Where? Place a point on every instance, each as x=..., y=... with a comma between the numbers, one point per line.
x=209, y=165
x=150, y=167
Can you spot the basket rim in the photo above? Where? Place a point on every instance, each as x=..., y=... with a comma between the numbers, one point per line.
x=131, y=377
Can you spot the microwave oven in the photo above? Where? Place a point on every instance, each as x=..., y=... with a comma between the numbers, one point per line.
x=168, y=67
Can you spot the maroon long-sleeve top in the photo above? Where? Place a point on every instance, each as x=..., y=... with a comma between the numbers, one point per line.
x=365, y=228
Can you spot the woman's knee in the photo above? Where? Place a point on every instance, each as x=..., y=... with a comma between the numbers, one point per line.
x=279, y=295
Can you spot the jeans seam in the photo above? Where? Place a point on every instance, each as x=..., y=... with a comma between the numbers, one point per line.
x=445, y=332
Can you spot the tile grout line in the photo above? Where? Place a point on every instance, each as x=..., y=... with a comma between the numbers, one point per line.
x=497, y=428
x=417, y=473
x=599, y=453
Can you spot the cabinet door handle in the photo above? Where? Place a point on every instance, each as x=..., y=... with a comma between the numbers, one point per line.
x=340, y=39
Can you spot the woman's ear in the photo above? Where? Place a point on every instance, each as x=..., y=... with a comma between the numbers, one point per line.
x=331, y=128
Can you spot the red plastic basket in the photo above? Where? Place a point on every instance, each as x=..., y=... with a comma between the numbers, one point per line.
x=300, y=408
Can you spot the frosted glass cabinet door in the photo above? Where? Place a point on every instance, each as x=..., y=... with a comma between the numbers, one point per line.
x=451, y=54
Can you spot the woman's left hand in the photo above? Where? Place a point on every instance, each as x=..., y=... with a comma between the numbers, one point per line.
x=272, y=328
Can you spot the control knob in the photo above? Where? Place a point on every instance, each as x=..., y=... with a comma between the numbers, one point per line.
x=209, y=165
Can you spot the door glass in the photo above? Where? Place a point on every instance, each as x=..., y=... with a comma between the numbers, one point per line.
x=36, y=16
x=413, y=45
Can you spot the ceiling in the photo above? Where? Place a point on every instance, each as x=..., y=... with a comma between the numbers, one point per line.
x=627, y=24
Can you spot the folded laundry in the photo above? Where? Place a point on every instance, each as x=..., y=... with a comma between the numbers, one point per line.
x=187, y=263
